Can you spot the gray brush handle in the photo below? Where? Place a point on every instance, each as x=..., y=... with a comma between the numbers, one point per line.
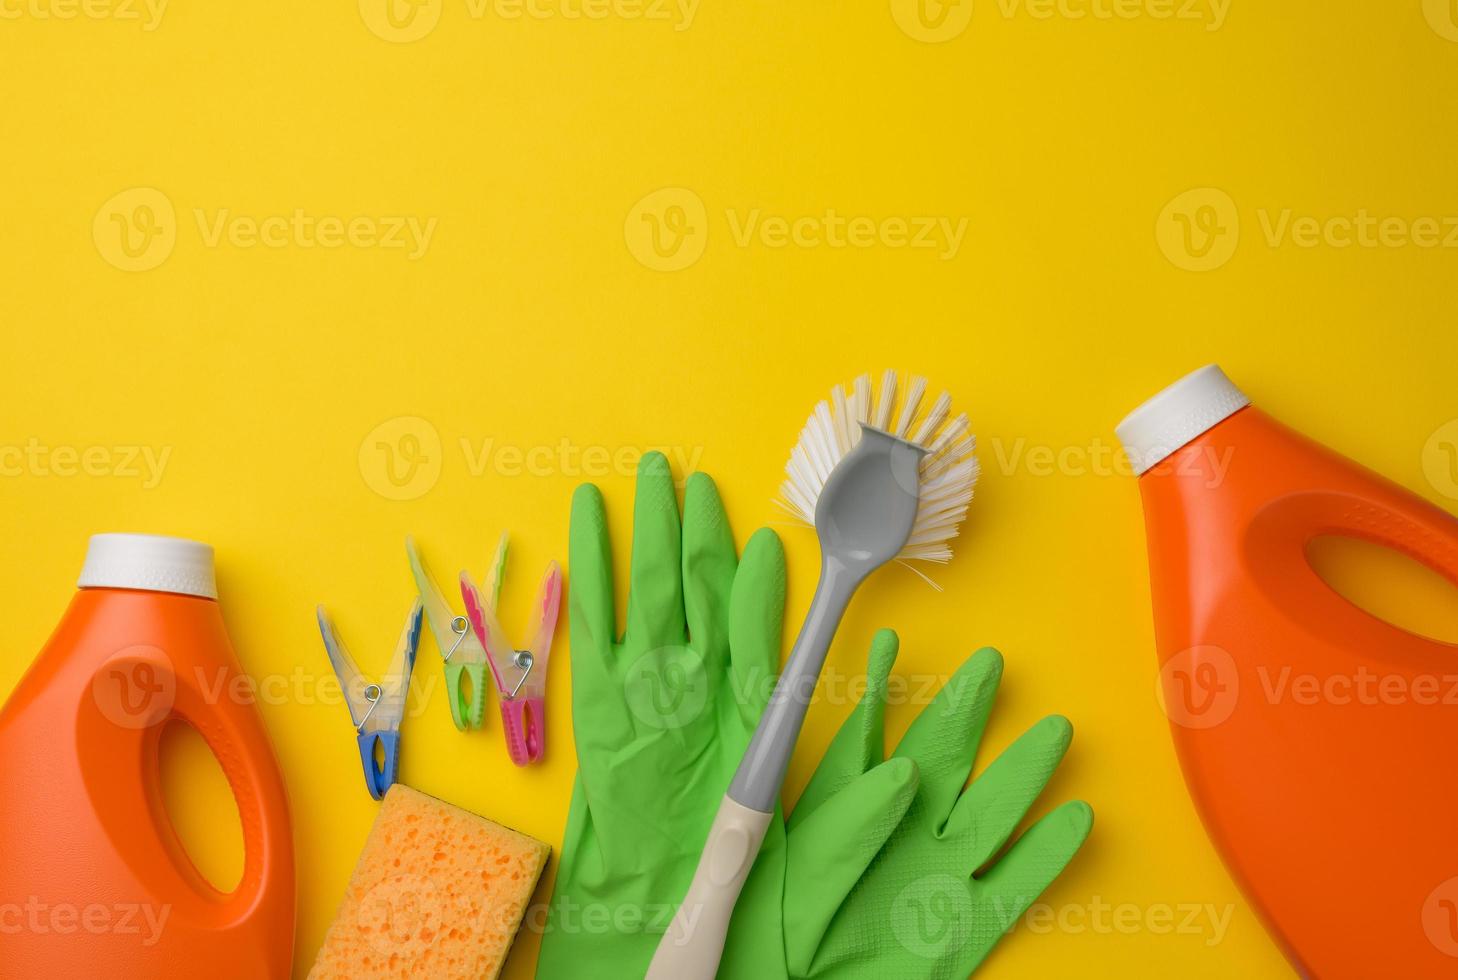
x=694, y=943
x=762, y=770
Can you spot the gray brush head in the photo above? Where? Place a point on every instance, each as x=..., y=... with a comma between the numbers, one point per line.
x=867, y=508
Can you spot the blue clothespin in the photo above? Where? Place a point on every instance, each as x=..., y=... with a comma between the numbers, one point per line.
x=377, y=708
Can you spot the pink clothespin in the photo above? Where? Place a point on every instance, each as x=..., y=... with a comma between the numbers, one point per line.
x=520, y=674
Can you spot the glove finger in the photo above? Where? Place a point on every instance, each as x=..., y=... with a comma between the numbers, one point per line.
x=596, y=695
x=1029, y=867
x=756, y=623
x=944, y=737
x=830, y=851
x=708, y=571
x=998, y=799
x=590, y=563
x=860, y=744
x=655, y=584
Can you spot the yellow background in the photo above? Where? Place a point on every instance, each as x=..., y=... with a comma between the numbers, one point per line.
x=530, y=320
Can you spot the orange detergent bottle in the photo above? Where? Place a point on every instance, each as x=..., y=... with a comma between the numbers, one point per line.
x=1318, y=741
x=94, y=880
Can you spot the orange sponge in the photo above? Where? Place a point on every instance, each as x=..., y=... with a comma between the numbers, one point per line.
x=438, y=892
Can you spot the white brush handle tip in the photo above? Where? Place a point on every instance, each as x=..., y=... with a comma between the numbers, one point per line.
x=694, y=943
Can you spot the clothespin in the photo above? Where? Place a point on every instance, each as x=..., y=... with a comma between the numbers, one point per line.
x=520, y=674
x=462, y=654
x=376, y=708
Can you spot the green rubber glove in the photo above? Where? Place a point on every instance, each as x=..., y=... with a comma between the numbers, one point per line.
x=661, y=717
x=931, y=906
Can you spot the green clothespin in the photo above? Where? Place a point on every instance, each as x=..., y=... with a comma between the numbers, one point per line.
x=462, y=654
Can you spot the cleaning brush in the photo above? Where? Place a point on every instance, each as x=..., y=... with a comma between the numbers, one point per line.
x=948, y=471
x=874, y=492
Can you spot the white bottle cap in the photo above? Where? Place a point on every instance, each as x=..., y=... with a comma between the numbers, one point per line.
x=149, y=562
x=1178, y=415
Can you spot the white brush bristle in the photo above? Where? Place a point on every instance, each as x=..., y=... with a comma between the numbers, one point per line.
x=948, y=473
